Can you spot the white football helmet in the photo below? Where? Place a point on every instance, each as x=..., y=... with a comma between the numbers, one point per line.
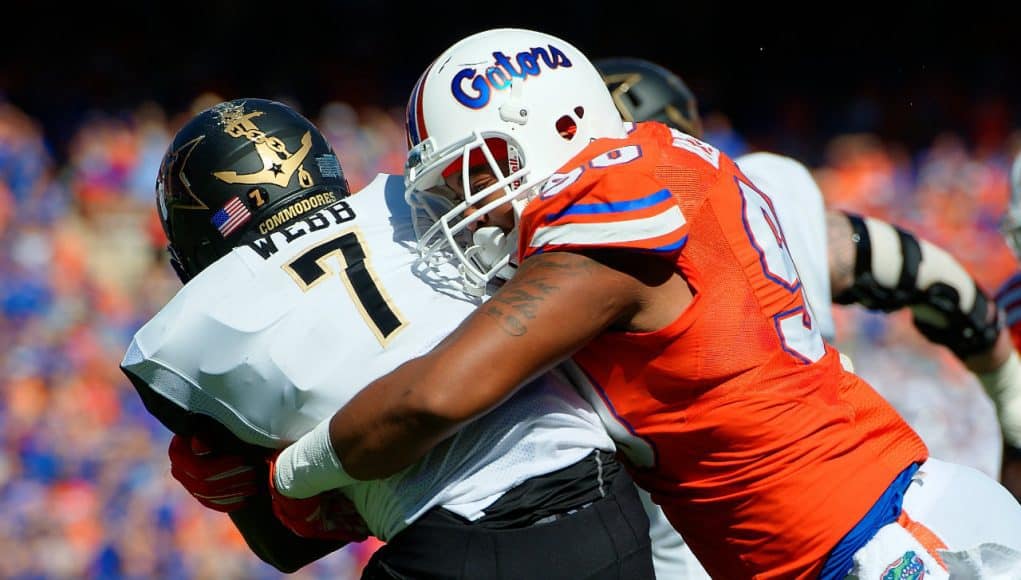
x=1011, y=226
x=522, y=103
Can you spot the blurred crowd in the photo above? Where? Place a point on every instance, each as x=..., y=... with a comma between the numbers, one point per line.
x=85, y=488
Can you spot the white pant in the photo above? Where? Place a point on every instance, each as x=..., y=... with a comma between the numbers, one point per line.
x=956, y=522
x=671, y=555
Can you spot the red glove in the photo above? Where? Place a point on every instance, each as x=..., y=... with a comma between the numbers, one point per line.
x=220, y=481
x=327, y=516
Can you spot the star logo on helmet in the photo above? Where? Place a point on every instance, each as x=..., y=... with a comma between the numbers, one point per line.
x=177, y=161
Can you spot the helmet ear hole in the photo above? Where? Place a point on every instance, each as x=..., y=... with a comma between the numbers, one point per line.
x=538, y=94
x=566, y=127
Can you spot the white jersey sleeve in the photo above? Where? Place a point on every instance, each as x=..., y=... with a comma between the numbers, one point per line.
x=277, y=335
x=800, y=209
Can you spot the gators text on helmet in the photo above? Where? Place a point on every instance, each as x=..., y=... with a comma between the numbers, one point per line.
x=518, y=101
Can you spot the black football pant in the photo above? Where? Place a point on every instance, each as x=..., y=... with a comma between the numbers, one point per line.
x=585, y=521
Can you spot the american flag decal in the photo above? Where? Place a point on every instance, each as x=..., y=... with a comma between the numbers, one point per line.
x=231, y=216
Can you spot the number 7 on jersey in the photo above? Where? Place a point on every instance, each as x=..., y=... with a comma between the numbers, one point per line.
x=312, y=267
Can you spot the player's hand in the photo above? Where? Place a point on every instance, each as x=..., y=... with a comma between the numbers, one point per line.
x=220, y=481
x=327, y=516
x=1010, y=473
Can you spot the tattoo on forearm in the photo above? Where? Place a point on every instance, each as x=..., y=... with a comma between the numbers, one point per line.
x=513, y=307
x=842, y=251
x=519, y=302
x=508, y=322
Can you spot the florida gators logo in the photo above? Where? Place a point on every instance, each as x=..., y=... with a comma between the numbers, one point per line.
x=907, y=567
x=474, y=89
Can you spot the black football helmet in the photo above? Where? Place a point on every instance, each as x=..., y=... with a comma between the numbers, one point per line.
x=233, y=166
x=645, y=91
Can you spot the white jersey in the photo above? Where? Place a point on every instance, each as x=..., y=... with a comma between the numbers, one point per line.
x=279, y=334
x=800, y=209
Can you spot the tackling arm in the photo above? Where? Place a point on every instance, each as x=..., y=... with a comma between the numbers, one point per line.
x=555, y=304
x=883, y=267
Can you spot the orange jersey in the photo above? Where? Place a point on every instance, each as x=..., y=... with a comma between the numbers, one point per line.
x=1009, y=300
x=737, y=417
